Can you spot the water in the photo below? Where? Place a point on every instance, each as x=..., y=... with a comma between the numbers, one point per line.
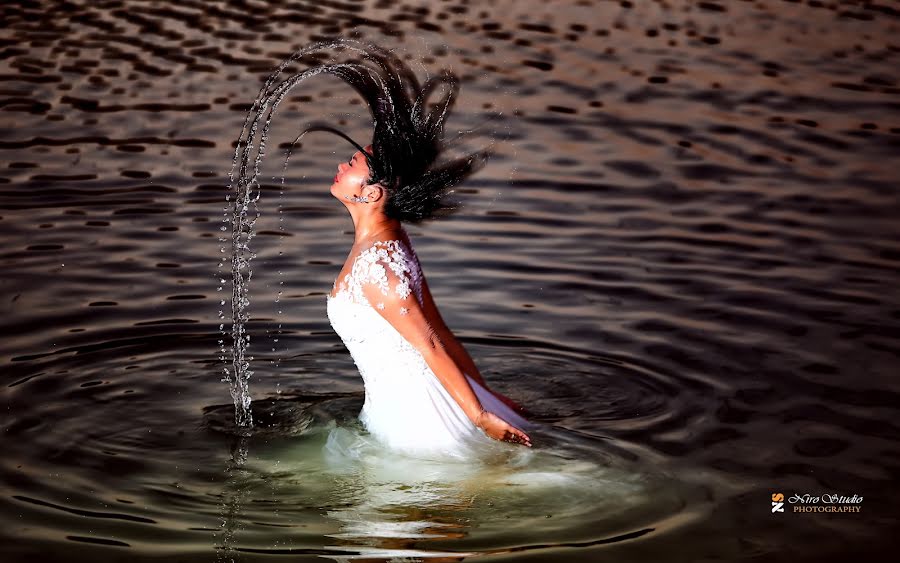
x=684, y=261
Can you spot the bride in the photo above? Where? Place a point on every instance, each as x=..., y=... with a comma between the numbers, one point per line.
x=423, y=391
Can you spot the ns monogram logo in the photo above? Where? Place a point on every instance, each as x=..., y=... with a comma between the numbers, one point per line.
x=777, y=502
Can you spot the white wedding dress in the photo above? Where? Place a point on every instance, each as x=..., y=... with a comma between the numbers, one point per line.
x=406, y=406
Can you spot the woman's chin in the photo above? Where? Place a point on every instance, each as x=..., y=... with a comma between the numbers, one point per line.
x=338, y=197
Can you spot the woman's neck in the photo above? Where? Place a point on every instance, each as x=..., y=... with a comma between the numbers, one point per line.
x=370, y=226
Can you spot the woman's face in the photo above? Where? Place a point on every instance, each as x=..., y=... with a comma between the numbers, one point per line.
x=351, y=177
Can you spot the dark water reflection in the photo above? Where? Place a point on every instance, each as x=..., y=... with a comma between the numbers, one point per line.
x=684, y=259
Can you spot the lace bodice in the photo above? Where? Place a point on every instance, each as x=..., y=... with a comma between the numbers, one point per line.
x=371, y=266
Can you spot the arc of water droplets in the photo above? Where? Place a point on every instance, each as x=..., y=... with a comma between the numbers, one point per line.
x=237, y=213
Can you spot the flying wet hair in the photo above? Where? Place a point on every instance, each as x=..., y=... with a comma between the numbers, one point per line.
x=407, y=138
x=406, y=160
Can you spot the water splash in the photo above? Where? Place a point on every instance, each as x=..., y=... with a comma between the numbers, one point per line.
x=241, y=213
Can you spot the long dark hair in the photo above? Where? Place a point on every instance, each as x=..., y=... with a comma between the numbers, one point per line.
x=407, y=139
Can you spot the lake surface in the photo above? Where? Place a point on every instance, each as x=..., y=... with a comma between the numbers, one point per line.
x=683, y=260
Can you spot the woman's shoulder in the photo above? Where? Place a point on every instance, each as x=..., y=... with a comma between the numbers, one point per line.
x=389, y=262
x=396, y=241
x=385, y=248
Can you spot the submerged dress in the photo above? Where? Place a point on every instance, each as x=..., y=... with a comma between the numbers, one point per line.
x=406, y=407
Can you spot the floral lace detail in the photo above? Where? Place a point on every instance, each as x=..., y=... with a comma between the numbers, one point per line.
x=369, y=267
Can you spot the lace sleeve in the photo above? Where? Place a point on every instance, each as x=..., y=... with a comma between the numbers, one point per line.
x=389, y=287
x=386, y=274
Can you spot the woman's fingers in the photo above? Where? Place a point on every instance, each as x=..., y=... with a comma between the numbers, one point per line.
x=499, y=429
x=519, y=436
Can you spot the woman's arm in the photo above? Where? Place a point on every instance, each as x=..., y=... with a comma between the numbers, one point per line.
x=403, y=311
x=454, y=347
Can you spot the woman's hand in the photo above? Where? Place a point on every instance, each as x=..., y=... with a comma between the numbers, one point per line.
x=499, y=429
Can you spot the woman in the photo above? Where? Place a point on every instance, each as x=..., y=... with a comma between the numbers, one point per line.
x=423, y=392
x=410, y=361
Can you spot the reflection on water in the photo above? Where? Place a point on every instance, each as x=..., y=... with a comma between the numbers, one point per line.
x=376, y=503
x=683, y=260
